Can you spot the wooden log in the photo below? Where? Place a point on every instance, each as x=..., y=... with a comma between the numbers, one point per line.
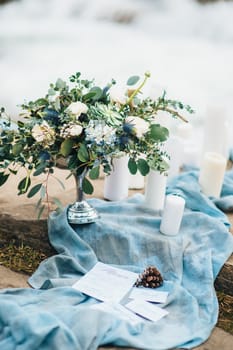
x=32, y=232
x=224, y=281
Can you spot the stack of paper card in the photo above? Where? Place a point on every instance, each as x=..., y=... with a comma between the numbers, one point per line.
x=106, y=283
x=110, y=285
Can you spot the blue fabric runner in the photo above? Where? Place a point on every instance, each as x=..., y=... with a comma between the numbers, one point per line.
x=127, y=236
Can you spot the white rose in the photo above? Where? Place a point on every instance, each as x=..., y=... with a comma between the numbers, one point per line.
x=43, y=133
x=117, y=96
x=75, y=130
x=140, y=125
x=77, y=108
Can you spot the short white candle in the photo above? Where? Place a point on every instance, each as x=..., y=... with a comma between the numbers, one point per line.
x=155, y=190
x=212, y=173
x=116, y=184
x=172, y=215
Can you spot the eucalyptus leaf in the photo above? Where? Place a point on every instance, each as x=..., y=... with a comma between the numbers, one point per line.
x=24, y=185
x=51, y=92
x=83, y=154
x=133, y=80
x=97, y=91
x=40, y=212
x=132, y=165
x=94, y=173
x=39, y=169
x=87, y=186
x=42, y=192
x=12, y=171
x=88, y=96
x=34, y=190
x=38, y=204
x=20, y=123
x=3, y=178
x=58, y=204
x=143, y=166
x=60, y=84
x=66, y=147
x=158, y=133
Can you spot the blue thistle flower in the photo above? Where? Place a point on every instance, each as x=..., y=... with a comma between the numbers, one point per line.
x=44, y=156
x=51, y=115
x=124, y=140
x=128, y=128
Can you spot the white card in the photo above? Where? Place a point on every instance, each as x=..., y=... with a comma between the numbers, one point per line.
x=148, y=294
x=106, y=283
x=147, y=310
x=119, y=310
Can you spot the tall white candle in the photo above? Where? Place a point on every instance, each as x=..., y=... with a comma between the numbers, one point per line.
x=155, y=190
x=212, y=173
x=172, y=215
x=184, y=131
x=191, y=149
x=191, y=155
x=174, y=149
x=116, y=184
x=216, y=131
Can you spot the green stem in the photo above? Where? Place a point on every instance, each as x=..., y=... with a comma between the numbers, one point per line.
x=27, y=180
x=130, y=99
x=171, y=111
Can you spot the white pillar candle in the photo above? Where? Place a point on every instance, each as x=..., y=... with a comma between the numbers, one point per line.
x=172, y=215
x=136, y=181
x=212, y=173
x=155, y=190
x=191, y=155
x=116, y=184
x=184, y=131
x=191, y=149
x=216, y=136
x=174, y=149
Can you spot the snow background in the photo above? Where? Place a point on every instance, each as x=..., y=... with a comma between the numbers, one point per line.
x=187, y=47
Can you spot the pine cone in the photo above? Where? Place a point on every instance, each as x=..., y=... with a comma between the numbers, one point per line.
x=150, y=278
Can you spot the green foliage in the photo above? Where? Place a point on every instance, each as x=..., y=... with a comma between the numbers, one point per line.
x=94, y=173
x=24, y=185
x=143, y=166
x=3, y=178
x=158, y=133
x=132, y=165
x=133, y=80
x=34, y=190
x=87, y=126
x=66, y=147
x=87, y=186
x=83, y=154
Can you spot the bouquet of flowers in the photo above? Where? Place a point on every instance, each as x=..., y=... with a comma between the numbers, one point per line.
x=81, y=127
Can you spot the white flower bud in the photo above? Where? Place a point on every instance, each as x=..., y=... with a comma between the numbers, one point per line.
x=117, y=96
x=75, y=130
x=77, y=108
x=140, y=125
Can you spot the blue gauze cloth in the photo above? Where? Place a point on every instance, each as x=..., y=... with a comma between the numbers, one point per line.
x=127, y=236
